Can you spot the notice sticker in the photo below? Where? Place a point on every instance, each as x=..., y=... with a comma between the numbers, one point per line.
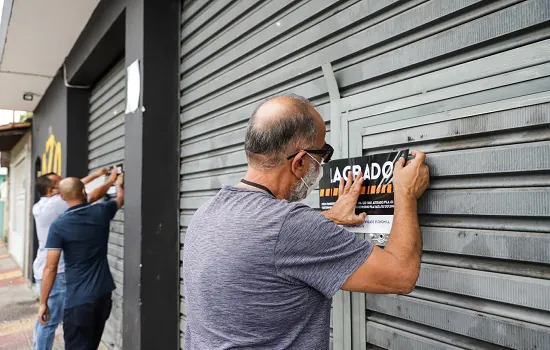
x=376, y=198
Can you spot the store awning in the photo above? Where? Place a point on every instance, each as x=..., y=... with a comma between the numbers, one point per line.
x=11, y=133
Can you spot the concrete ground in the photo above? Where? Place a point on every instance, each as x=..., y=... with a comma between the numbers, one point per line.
x=18, y=307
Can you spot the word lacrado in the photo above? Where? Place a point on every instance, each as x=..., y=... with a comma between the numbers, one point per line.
x=369, y=173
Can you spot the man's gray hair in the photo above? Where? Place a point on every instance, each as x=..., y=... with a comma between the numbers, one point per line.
x=265, y=144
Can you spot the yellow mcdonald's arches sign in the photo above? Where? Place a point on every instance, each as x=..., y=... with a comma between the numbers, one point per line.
x=51, y=158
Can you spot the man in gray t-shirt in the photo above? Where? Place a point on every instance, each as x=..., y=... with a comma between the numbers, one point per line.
x=260, y=269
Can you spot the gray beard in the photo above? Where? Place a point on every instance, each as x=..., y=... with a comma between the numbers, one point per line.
x=298, y=192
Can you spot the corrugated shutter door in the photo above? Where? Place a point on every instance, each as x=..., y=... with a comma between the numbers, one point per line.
x=465, y=80
x=106, y=148
x=474, y=94
x=217, y=38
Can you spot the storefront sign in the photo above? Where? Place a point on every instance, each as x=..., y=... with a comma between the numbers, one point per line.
x=52, y=157
x=376, y=198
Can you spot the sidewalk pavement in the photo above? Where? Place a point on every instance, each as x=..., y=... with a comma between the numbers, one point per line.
x=18, y=307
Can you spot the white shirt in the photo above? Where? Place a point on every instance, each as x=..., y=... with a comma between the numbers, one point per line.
x=45, y=211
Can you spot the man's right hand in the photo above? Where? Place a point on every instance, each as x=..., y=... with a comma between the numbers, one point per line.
x=412, y=178
x=43, y=314
x=113, y=176
x=120, y=180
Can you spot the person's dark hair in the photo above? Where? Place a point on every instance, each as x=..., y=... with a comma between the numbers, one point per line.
x=264, y=144
x=44, y=183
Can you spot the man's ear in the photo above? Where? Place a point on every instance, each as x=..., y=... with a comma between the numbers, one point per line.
x=299, y=166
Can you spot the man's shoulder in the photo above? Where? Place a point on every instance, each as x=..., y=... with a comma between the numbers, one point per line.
x=102, y=206
x=46, y=204
x=57, y=223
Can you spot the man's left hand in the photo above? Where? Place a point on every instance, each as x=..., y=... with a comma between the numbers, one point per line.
x=101, y=172
x=343, y=211
x=43, y=314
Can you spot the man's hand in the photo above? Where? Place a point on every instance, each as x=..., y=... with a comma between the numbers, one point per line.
x=113, y=176
x=413, y=179
x=343, y=211
x=43, y=314
x=120, y=180
x=94, y=175
x=101, y=172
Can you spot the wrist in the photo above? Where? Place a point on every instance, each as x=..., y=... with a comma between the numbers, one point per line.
x=329, y=214
x=404, y=195
x=405, y=203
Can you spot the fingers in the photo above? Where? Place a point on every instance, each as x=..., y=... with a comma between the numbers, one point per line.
x=349, y=182
x=357, y=219
x=399, y=164
x=341, y=187
x=42, y=319
x=356, y=187
x=420, y=157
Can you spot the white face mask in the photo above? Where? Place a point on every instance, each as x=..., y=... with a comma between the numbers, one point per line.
x=309, y=181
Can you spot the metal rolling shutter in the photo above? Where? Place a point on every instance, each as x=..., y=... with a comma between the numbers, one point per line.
x=469, y=83
x=217, y=39
x=106, y=148
x=465, y=80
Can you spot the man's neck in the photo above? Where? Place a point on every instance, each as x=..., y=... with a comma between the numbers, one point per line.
x=74, y=203
x=270, y=179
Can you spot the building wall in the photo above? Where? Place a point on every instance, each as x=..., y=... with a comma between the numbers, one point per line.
x=19, y=202
x=128, y=30
x=50, y=129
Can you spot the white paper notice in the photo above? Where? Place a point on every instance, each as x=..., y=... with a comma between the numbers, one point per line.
x=133, y=87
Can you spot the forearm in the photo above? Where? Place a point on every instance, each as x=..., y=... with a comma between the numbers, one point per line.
x=48, y=279
x=90, y=178
x=120, y=196
x=100, y=192
x=405, y=242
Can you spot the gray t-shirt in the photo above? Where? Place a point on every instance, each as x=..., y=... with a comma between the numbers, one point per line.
x=259, y=273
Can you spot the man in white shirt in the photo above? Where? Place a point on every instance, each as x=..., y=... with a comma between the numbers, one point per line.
x=45, y=211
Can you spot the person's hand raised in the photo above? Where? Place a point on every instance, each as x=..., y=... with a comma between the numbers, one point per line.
x=113, y=176
x=412, y=178
x=343, y=211
x=120, y=180
x=102, y=171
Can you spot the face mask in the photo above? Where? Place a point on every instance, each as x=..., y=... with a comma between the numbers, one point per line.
x=308, y=182
x=312, y=185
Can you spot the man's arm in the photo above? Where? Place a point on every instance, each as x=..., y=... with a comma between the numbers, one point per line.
x=120, y=191
x=101, y=191
x=94, y=175
x=395, y=268
x=48, y=279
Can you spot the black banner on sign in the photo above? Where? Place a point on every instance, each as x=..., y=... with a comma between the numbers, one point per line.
x=376, y=198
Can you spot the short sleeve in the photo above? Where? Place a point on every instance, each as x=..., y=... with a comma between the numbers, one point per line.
x=312, y=250
x=109, y=209
x=54, y=240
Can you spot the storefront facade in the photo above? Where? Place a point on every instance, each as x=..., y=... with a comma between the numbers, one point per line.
x=466, y=81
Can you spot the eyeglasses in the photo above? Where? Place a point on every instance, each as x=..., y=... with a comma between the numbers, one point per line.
x=325, y=153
